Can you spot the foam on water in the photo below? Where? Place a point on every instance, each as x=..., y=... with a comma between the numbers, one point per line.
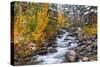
x=62, y=49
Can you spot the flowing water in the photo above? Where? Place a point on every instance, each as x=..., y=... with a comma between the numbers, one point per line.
x=62, y=48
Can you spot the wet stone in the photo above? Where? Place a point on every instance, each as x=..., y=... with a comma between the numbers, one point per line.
x=71, y=56
x=85, y=59
x=42, y=52
x=51, y=50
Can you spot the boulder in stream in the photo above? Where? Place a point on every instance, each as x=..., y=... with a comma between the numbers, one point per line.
x=51, y=50
x=71, y=56
x=85, y=59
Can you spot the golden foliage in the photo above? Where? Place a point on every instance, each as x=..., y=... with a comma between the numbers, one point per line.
x=61, y=19
x=42, y=18
x=90, y=30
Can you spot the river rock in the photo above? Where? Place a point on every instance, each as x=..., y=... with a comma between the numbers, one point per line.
x=81, y=53
x=79, y=48
x=51, y=50
x=71, y=56
x=43, y=48
x=45, y=44
x=85, y=59
x=94, y=47
x=69, y=44
x=54, y=45
x=66, y=39
x=34, y=53
x=60, y=32
x=94, y=37
x=88, y=48
x=72, y=52
x=59, y=36
x=95, y=51
x=27, y=59
x=51, y=42
x=70, y=35
x=89, y=42
x=42, y=52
